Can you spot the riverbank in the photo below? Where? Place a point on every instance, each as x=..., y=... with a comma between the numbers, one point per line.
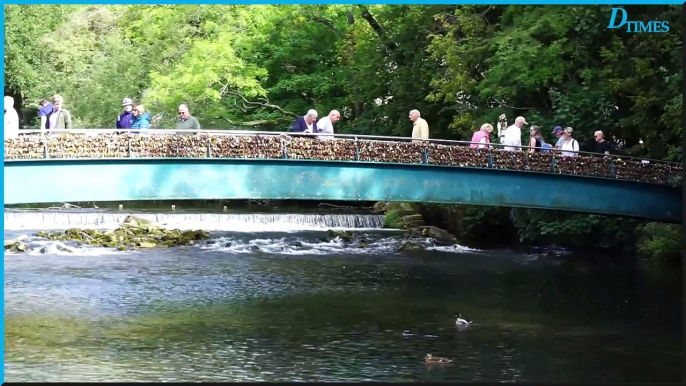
x=525, y=229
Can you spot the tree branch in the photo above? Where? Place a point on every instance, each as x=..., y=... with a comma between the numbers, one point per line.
x=329, y=24
x=366, y=15
x=254, y=123
x=256, y=104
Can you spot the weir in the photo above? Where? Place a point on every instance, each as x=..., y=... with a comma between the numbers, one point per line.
x=61, y=220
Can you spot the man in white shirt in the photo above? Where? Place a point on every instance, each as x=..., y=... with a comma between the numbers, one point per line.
x=325, y=125
x=513, y=135
x=420, y=129
x=11, y=119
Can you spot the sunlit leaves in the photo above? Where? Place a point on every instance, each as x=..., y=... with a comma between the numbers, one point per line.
x=564, y=67
x=460, y=66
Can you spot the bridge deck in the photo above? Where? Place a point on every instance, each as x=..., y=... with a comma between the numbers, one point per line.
x=139, y=167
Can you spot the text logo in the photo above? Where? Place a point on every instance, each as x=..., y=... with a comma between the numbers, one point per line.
x=637, y=26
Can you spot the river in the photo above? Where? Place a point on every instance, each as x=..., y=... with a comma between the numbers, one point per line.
x=271, y=298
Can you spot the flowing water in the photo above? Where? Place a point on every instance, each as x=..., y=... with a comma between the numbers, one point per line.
x=273, y=298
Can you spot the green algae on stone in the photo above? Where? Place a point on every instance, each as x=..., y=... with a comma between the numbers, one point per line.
x=133, y=233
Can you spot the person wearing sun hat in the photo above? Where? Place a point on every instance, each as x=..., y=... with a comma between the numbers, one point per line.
x=125, y=119
x=513, y=135
x=560, y=137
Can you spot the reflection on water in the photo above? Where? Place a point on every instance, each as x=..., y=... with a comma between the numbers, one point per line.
x=302, y=308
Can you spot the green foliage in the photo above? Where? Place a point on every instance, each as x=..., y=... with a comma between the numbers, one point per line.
x=392, y=220
x=562, y=66
x=574, y=231
x=488, y=225
x=662, y=242
x=81, y=56
x=261, y=66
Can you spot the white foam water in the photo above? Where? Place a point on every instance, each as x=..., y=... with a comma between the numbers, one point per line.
x=238, y=233
x=224, y=222
x=40, y=246
x=452, y=248
x=301, y=246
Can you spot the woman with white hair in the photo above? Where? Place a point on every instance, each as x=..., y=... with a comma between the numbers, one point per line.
x=306, y=123
x=11, y=119
x=481, y=139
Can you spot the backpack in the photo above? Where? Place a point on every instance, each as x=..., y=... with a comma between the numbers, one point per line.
x=545, y=147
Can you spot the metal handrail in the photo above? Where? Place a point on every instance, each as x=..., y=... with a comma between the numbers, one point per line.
x=371, y=138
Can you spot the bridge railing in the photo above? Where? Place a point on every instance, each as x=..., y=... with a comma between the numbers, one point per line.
x=113, y=143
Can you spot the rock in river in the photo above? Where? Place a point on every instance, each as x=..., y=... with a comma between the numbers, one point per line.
x=133, y=233
x=439, y=234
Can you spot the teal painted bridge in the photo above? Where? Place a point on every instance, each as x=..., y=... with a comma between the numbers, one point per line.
x=125, y=179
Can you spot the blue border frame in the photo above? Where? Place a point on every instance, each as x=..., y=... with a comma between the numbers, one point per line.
x=2, y=221
x=415, y=2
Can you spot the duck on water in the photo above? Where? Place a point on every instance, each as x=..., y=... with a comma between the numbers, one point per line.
x=462, y=322
x=429, y=359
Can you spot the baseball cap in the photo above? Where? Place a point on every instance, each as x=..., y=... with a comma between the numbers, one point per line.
x=127, y=102
x=521, y=119
x=557, y=129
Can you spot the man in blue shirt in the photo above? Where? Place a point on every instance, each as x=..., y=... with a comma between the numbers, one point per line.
x=43, y=110
x=560, y=138
x=126, y=118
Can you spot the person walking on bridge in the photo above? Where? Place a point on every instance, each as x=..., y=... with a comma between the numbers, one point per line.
x=44, y=107
x=570, y=147
x=602, y=146
x=481, y=139
x=536, y=141
x=560, y=137
x=186, y=120
x=306, y=123
x=59, y=118
x=141, y=119
x=11, y=119
x=125, y=119
x=325, y=125
x=513, y=135
x=420, y=128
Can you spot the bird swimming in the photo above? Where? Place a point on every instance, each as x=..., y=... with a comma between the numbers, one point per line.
x=432, y=359
x=462, y=322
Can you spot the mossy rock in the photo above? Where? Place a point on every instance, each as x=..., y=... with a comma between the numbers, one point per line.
x=137, y=222
x=441, y=235
x=402, y=208
x=13, y=242
x=20, y=247
x=379, y=207
x=55, y=235
x=345, y=236
x=410, y=246
x=411, y=221
x=133, y=233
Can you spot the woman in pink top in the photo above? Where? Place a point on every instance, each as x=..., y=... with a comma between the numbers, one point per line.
x=481, y=139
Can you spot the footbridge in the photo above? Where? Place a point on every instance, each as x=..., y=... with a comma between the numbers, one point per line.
x=103, y=165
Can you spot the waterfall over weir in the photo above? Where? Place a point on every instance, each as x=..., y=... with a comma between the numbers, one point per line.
x=234, y=222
